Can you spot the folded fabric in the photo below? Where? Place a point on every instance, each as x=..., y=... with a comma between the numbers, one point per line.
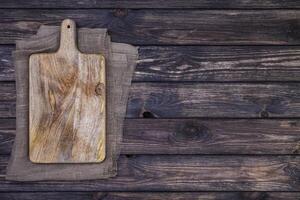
x=120, y=60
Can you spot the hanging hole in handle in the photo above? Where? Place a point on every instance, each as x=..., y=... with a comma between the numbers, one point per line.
x=68, y=26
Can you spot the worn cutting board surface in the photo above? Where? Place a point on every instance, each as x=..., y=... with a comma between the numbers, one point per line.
x=67, y=104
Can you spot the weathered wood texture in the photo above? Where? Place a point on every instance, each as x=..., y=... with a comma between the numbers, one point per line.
x=7, y=109
x=183, y=173
x=53, y=196
x=178, y=100
x=7, y=92
x=174, y=27
x=218, y=63
x=151, y=195
x=214, y=100
x=67, y=103
x=195, y=136
x=228, y=4
x=263, y=61
x=202, y=63
x=7, y=135
x=7, y=70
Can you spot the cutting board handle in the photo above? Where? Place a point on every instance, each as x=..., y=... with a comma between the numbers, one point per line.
x=68, y=37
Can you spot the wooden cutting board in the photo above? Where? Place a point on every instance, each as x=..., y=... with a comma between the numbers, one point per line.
x=67, y=103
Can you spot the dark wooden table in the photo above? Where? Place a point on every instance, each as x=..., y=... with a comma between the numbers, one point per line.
x=214, y=109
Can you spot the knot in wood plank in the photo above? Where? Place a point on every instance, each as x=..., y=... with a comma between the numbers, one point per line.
x=191, y=131
x=99, y=89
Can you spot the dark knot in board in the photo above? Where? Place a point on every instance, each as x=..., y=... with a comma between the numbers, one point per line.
x=264, y=114
x=120, y=12
x=293, y=171
x=99, y=89
x=192, y=131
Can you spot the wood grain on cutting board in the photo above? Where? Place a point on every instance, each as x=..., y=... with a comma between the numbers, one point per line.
x=67, y=104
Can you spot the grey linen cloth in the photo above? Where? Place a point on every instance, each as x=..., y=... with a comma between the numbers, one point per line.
x=120, y=64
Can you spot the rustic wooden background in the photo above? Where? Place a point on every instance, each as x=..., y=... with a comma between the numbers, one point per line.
x=214, y=109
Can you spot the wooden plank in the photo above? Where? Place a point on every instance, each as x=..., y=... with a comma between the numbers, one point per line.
x=202, y=63
x=184, y=173
x=229, y=4
x=150, y=195
x=3, y=166
x=7, y=135
x=7, y=109
x=195, y=136
x=7, y=100
x=168, y=100
x=7, y=70
x=67, y=103
x=218, y=63
x=213, y=100
x=7, y=92
x=52, y=195
x=174, y=27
